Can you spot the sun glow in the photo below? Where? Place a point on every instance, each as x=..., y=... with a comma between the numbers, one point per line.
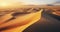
x=4, y=4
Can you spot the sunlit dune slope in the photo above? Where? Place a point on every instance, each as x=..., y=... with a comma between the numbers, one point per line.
x=21, y=23
x=5, y=18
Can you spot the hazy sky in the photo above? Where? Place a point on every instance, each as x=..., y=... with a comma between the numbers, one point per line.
x=39, y=1
x=32, y=1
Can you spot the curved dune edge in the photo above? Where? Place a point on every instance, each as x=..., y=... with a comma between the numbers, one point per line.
x=34, y=19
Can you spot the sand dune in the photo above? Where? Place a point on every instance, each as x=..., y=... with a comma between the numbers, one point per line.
x=21, y=22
